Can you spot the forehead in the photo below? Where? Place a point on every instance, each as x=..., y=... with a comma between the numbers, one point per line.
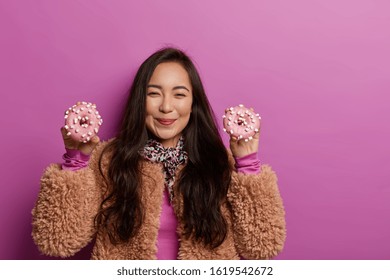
x=170, y=73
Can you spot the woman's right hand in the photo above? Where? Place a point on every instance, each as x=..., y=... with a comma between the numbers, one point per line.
x=85, y=148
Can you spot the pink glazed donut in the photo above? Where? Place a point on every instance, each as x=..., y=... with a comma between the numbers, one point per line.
x=82, y=121
x=241, y=122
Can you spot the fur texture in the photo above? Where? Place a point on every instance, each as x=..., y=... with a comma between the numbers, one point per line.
x=63, y=216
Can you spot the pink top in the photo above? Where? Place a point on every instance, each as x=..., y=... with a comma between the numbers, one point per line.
x=248, y=164
x=167, y=239
x=74, y=160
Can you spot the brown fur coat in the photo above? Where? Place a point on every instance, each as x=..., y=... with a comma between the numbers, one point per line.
x=63, y=217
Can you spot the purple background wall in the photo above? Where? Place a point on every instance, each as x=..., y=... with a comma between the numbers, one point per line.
x=316, y=71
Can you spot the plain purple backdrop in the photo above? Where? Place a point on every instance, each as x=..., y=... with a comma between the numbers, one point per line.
x=316, y=71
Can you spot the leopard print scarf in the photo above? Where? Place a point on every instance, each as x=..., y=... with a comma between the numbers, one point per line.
x=170, y=157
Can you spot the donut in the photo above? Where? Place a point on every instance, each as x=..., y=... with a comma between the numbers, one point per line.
x=241, y=122
x=82, y=121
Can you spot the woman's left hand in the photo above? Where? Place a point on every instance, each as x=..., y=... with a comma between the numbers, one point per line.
x=240, y=148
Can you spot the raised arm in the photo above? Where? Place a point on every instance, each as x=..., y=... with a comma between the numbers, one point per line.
x=63, y=216
x=258, y=214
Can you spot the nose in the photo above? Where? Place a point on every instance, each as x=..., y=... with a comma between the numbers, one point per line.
x=166, y=105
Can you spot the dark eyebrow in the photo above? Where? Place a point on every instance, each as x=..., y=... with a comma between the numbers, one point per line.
x=177, y=87
x=182, y=87
x=156, y=86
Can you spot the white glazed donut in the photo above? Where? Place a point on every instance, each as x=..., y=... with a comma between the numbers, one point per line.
x=82, y=121
x=241, y=122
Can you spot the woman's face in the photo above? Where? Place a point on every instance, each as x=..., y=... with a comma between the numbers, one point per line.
x=168, y=102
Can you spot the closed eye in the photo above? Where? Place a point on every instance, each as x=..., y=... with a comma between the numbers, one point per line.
x=180, y=94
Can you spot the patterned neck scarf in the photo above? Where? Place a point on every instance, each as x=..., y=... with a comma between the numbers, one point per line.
x=171, y=158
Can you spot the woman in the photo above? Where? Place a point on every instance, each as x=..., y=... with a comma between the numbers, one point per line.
x=165, y=187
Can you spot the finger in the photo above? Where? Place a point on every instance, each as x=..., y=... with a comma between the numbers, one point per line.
x=68, y=141
x=95, y=139
x=64, y=133
x=90, y=146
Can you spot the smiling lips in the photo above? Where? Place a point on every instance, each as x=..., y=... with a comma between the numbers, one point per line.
x=166, y=121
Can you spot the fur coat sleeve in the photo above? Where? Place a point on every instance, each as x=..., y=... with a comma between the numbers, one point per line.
x=63, y=216
x=258, y=214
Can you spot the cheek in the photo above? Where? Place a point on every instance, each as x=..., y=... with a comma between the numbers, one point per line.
x=148, y=107
x=149, y=121
x=148, y=112
x=185, y=108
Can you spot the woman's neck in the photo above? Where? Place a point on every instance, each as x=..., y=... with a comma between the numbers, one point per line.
x=170, y=143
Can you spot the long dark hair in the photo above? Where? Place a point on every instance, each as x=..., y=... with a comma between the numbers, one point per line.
x=203, y=182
